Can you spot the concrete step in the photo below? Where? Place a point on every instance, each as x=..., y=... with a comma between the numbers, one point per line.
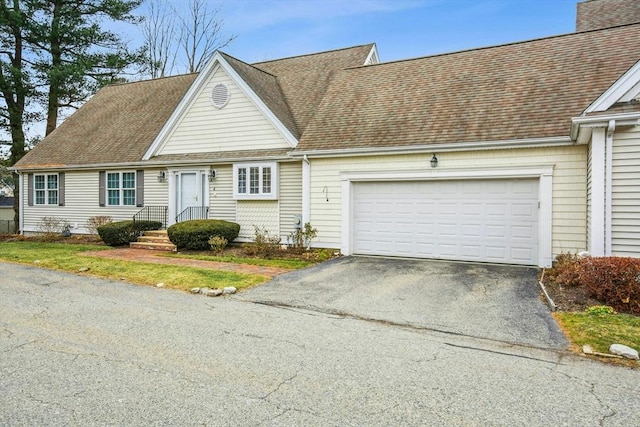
x=154, y=239
x=169, y=247
x=156, y=233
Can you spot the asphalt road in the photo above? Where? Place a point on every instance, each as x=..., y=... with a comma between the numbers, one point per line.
x=82, y=351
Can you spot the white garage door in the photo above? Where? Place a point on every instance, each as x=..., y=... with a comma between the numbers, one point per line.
x=479, y=220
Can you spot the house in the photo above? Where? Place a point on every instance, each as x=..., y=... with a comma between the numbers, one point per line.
x=508, y=154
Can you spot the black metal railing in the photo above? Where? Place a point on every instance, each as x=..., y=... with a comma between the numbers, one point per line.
x=153, y=213
x=193, y=212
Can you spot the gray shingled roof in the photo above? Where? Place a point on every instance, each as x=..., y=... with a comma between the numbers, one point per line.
x=521, y=90
x=121, y=122
x=117, y=125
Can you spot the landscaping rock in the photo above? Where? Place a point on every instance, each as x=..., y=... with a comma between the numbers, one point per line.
x=624, y=351
x=203, y=291
x=229, y=290
x=160, y=285
x=195, y=290
x=213, y=293
x=83, y=269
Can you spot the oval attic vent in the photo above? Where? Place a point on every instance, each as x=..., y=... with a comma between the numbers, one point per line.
x=220, y=95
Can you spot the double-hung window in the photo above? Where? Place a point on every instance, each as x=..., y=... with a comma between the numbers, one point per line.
x=121, y=188
x=45, y=188
x=255, y=181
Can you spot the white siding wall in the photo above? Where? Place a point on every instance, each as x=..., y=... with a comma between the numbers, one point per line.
x=237, y=126
x=221, y=203
x=290, y=197
x=260, y=213
x=625, y=193
x=569, y=186
x=81, y=202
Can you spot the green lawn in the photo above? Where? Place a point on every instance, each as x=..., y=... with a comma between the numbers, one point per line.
x=600, y=331
x=67, y=257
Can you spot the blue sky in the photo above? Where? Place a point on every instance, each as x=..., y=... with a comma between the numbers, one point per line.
x=270, y=29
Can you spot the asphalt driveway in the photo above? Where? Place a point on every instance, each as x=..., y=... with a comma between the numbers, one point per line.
x=478, y=300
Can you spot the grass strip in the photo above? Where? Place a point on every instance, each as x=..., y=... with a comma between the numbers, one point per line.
x=63, y=257
x=600, y=331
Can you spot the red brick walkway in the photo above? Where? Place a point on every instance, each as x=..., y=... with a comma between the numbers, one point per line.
x=150, y=256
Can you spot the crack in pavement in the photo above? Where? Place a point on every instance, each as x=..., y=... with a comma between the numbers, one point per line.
x=502, y=353
x=408, y=326
x=266, y=396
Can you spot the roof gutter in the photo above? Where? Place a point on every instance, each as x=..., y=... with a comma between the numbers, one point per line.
x=600, y=121
x=440, y=148
x=151, y=163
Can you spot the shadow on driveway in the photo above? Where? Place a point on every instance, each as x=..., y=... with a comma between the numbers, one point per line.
x=480, y=300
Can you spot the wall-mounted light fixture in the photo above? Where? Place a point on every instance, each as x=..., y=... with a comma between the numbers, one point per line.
x=212, y=175
x=434, y=160
x=162, y=176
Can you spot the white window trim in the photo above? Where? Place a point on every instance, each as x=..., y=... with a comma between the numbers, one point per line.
x=120, y=188
x=46, y=189
x=273, y=195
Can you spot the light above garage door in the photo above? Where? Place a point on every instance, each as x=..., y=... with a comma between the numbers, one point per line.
x=492, y=220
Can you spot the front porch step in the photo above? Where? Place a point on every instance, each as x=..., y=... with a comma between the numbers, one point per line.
x=154, y=239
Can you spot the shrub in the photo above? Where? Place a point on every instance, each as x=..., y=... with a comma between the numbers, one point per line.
x=614, y=281
x=51, y=227
x=218, y=243
x=96, y=221
x=194, y=235
x=264, y=244
x=124, y=232
x=300, y=239
x=600, y=310
x=565, y=271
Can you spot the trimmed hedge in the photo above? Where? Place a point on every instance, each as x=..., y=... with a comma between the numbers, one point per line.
x=124, y=232
x=615, y=281
x=194, y=235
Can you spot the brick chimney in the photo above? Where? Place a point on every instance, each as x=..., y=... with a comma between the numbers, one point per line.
x=598, y=14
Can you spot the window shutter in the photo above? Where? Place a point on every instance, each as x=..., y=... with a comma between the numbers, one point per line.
x=102, y=184
x=139, y=188
x=30, y=189
x=61, y=189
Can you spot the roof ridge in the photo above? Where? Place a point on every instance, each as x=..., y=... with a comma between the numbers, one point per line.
x=556, y=36
x=314, y=53
x=247, y=64
x=151, y=79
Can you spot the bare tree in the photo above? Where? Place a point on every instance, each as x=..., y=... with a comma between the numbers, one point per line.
x=189, y=37
x=200, y=34
x=158, y=29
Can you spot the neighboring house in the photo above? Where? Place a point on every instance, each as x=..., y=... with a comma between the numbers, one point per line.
x=509, y=154
x=6, y=208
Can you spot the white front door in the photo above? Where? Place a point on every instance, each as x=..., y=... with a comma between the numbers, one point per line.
x=188, y=189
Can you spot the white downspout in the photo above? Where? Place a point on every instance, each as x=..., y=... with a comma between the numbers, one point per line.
x=598, y=190
x=21, y=201
x=608, y=183
x=306, y=190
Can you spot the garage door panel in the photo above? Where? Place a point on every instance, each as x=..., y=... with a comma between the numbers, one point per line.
x=484, y=220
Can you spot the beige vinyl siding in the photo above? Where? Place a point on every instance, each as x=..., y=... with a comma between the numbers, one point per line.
x=221, y=203
x=81, y=201
x=155, y=193
x=240, y=125
x=259, y=213
x=290, y=196
x=625, y=194
x=569, y=185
